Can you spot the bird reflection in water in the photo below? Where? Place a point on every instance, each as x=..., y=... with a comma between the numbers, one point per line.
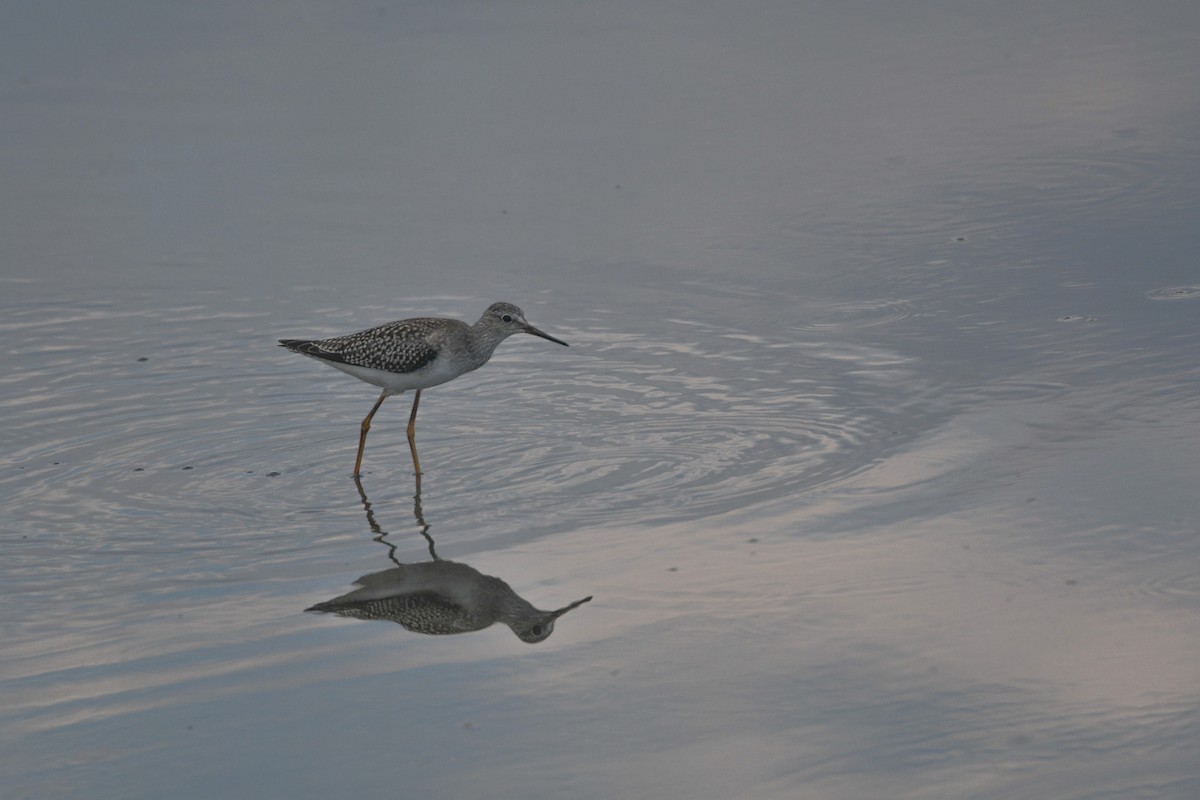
x=439, y=597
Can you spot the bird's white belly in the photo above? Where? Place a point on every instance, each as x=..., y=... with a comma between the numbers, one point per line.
x=440, y=371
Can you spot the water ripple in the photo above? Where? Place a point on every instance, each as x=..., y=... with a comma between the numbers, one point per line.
x=1174, y=293
x=638, y=429
x=859, y=314
x=148, y=422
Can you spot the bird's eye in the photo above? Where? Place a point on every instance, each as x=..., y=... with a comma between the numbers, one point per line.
x=536, y=630
x=507, y=317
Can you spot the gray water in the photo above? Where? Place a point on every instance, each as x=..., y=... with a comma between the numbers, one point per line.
x=875, y=443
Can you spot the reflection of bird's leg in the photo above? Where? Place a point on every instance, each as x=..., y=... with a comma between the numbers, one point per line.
x=422, y=525
x=380, y=533
x=419, y=514
x=391, y=549
x=412, y=442
x=428, y=538
x=362, y=495
x=366, y=426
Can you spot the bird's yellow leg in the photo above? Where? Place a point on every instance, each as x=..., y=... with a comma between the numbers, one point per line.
x=362, y=437
x=412, y=442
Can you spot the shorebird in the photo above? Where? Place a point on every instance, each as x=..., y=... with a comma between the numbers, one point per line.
x=442, y=597
x=415, y=354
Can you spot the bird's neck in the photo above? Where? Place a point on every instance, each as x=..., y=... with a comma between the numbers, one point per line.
x=507, y=604
x=482, y=342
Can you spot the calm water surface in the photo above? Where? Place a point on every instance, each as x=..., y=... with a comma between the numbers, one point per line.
x=875, y=443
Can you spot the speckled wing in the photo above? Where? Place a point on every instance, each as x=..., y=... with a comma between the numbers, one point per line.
x=419, y=612
x=399, y=347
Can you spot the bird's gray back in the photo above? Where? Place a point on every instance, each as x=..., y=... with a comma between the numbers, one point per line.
x=420, y=612
x=403, y=346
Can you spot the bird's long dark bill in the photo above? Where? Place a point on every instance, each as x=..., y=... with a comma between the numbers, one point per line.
x=576, y=604
x=536, y=332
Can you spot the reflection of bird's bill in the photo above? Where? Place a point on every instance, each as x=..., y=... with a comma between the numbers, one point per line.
x=530, y=329
x=576, y=604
